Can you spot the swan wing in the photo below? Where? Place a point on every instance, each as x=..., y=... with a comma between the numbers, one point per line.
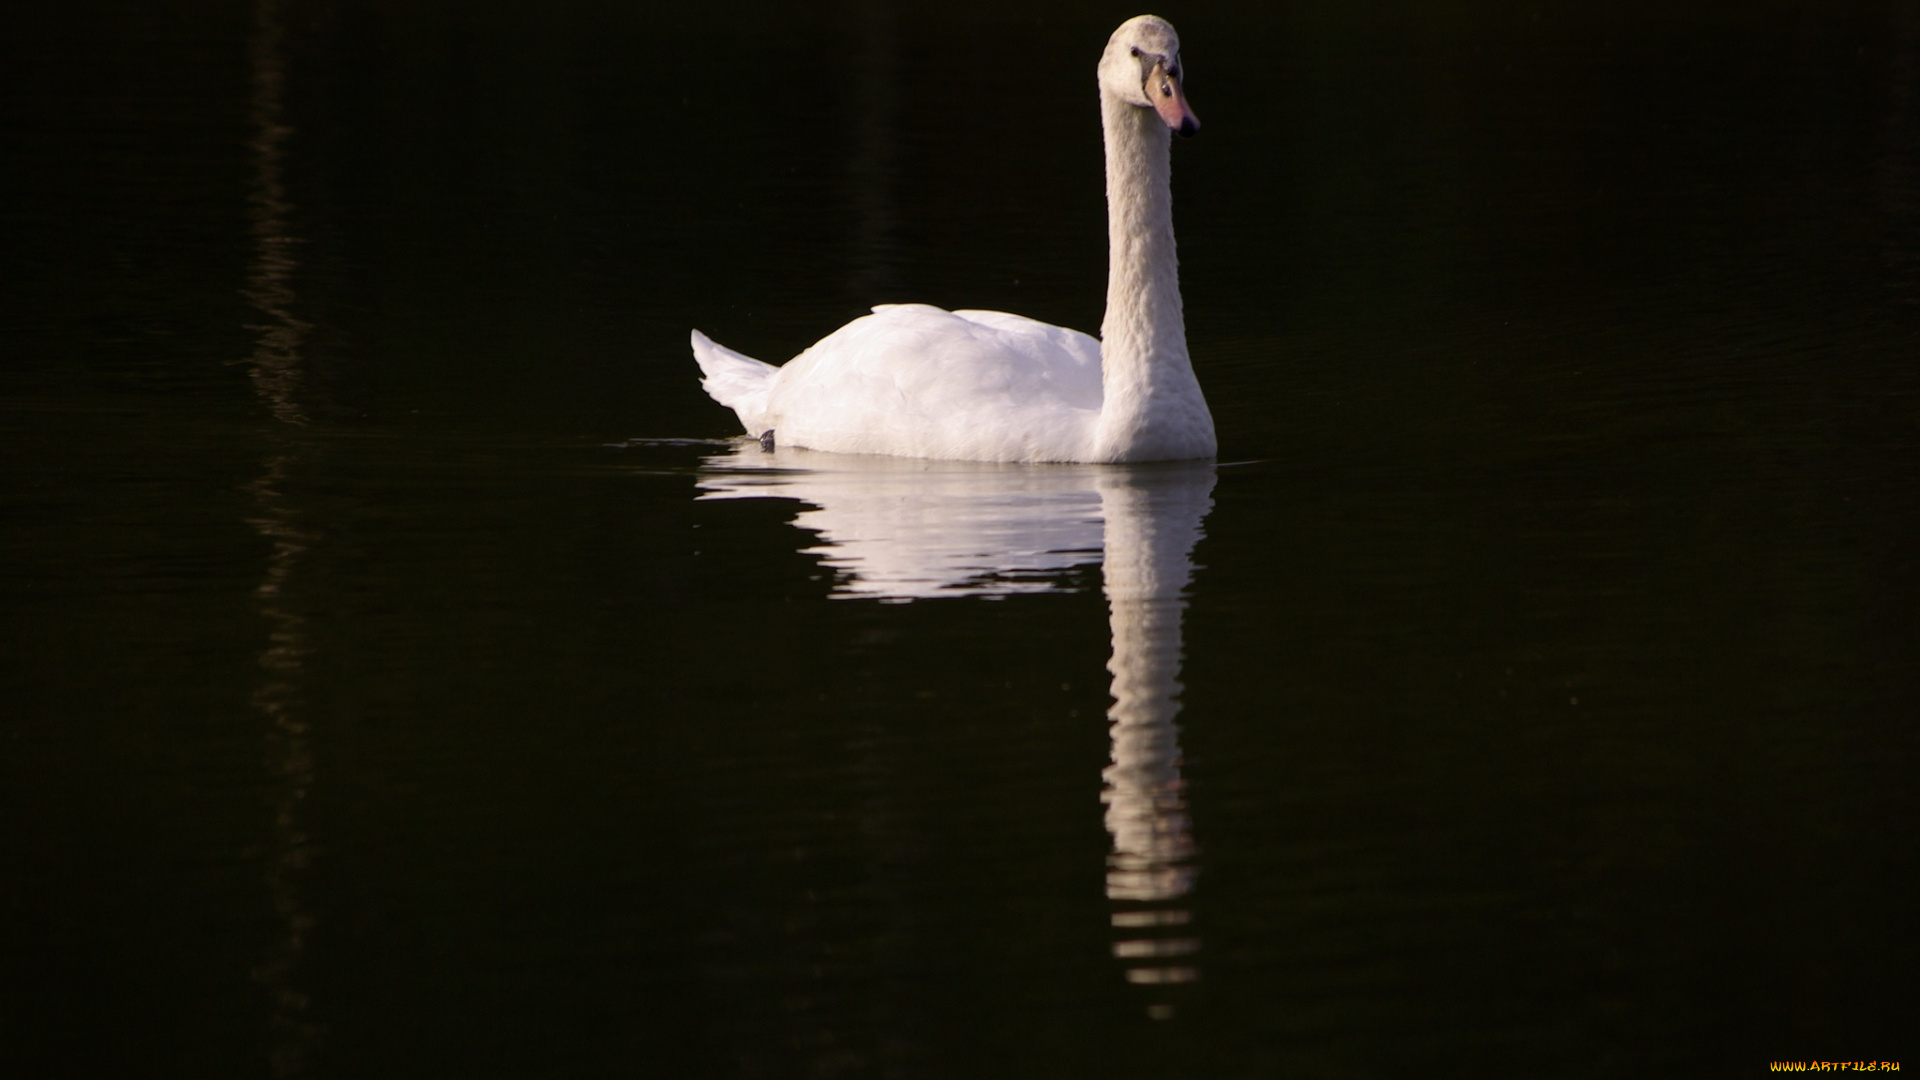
x=920, y=381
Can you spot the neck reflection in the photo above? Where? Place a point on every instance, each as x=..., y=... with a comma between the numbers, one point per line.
x=1153, y=520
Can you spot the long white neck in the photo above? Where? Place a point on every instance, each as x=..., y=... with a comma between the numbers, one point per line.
x=1153, y=408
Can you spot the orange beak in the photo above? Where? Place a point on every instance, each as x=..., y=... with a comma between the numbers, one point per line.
x=1170, y=102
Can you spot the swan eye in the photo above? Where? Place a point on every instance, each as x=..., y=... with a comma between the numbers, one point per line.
x=1135, y=49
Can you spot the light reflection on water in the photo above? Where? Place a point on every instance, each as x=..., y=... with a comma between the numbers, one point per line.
x=274, y=367
x=898, y=530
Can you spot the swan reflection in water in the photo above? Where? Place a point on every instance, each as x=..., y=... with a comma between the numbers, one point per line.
x=900, y=529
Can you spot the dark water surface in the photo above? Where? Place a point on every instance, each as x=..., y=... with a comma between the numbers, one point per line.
x=404, y=676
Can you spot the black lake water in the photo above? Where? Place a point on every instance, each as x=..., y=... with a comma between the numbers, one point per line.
x=408, y=673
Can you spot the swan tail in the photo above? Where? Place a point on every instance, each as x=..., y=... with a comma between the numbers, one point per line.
x=735, y=380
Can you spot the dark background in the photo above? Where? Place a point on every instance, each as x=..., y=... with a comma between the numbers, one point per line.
x=375, y=704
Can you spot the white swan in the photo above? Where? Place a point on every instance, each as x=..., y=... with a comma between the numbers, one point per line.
x=912, y=380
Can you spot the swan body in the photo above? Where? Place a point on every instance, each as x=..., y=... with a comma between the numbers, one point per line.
x=912, y=380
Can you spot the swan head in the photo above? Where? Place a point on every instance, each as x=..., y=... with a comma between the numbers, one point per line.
x=1142, y=68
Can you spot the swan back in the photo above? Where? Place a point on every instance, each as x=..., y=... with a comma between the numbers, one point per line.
x=917, y=381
